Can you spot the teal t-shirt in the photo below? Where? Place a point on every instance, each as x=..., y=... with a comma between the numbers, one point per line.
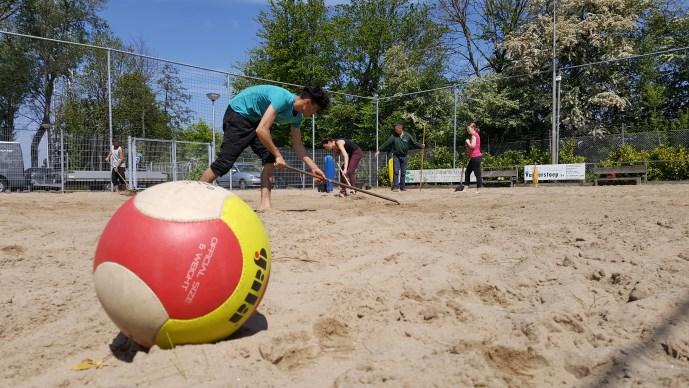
x=253, y=102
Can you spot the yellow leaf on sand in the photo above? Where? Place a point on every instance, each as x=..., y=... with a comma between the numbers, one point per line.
x=89, y=364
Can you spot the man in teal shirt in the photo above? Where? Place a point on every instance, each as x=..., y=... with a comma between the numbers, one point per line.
x=400, y=143
x=247, y=123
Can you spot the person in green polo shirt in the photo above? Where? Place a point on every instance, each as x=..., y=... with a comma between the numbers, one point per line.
x=400, y=143
x=247, y=123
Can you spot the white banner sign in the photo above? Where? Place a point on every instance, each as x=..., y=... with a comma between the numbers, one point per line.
x=557, y=172
x=439, y=175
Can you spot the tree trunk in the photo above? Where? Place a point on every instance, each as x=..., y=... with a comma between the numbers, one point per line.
x=48, y=97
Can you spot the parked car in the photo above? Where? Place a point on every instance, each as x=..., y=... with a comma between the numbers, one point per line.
x=245, y=175
x=42, y=178
x=11, y=167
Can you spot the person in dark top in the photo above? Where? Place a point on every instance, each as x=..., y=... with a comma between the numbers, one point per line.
x=400, y=143
x=351, y=153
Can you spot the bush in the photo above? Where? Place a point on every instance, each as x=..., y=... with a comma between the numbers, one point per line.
x=383, y=175
x=196, y=171
x=513, y=158
x=664, y=162
x=437, y=157
x=567, y=153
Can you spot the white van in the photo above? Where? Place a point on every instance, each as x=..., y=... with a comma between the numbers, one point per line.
x=11, y=167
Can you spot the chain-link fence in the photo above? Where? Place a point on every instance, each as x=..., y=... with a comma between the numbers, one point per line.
x=63, y=132
x=598, y=148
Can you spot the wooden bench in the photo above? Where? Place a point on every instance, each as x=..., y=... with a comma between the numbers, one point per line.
x=509, y=176
x=629, y=173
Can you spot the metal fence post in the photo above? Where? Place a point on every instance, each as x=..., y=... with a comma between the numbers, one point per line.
x=112, y=187
x=454, y=132
x=174, y=160
x=553, y=130
x=132, y=161
x=313, y=145
x=62, y=158
x=135, y=166
x=377, y=150
x=369, y=168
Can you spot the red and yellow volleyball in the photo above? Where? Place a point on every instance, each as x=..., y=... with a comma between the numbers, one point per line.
x=181, y=263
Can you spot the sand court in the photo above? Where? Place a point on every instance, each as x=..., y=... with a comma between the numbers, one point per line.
x=550, y=286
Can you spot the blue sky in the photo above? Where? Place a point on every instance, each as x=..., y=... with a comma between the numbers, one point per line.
x=210, y=33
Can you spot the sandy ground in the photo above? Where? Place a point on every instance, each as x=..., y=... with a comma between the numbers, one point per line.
x=560, y=286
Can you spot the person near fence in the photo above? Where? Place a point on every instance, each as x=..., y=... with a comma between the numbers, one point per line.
x=116, y=159
x=473, y=146
x=351, y=153
x=248, y=121
x=400, y=143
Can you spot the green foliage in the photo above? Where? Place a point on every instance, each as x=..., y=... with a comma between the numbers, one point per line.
x=16, y=83
x=495, y=106
x=664, y=162
x=437, y=157
x=135, y=111
x=74, y=20
x=567, y=155
x=173, y=98
x=200, y=131
x=363, y=47
x=195, y=173
x=296, y=44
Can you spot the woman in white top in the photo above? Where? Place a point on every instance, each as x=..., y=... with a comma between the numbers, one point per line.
x=116, y=159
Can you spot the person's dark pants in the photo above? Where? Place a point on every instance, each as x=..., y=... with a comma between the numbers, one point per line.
x=117, y=177
x=354, y=159
x=399, y=167
x=475, y=166
x=239, y=133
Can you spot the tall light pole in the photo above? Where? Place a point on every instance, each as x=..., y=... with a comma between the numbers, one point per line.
x=213, y=97
x=553, y=132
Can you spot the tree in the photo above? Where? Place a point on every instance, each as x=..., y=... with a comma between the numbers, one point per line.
x=135, y=110
x=477, y=31
x=173, y=98
x=429, y=112
x=73, y=20
x=86, y=107
x=8, y=8
x=385, y=48
x=199, y=131
x=296, y=44
x=15, y=83
x=366, y=29
x=588, y=31
x=658, y=89
x=491, y=103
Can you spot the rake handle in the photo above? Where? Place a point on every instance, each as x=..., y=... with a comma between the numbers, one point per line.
x=290, y=168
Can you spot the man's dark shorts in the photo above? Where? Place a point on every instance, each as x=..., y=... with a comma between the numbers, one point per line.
x=117, y=177
x=239, y=133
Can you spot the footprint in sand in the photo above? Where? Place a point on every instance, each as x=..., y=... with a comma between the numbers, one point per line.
x=11, y=253
x=491, y=295
x=13, y=249
x=289, y=351
x=363, y=375
x=333, y=335
x=514, y=361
